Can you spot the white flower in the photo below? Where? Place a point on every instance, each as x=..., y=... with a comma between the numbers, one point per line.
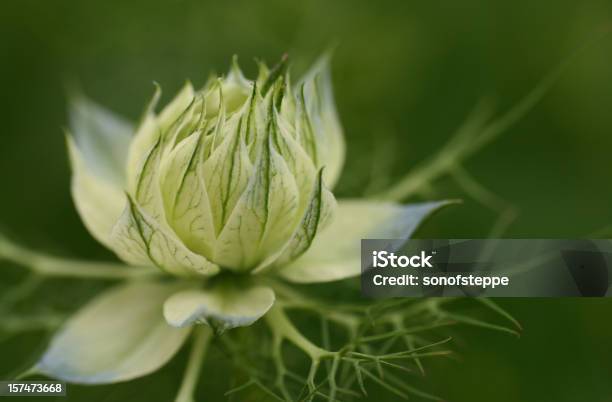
x=230, y=176
x=235, y=176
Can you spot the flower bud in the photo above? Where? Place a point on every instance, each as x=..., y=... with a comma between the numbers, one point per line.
x=232, y=176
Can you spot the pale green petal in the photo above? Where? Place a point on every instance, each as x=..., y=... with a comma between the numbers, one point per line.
x=152, y=127
x=320, y=209
x=102, y=138
x=173, y=110
x=289, y=105
x=300, y=164
x=261, y=221
x=163, y=178
x=263, y=73
x=118, y=336
x=147, y=192
x=222, y=306
x=97, y=147
x=336, y=252
x=147, y=134
x=143, y=235
x=185, y=196
x=191, y=121
x=235, y=74
x=98, y=202
x=282, y=209
x=320, y=212
x=139, y=239
x=232, y=92
x=319, y=101
x=226, y=173
x=305, y=130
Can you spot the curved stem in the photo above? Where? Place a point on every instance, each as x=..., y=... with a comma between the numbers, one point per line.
x=474, y=134
x=62, y=267
x=281, y=326
x=457, y=149
x=201, y=339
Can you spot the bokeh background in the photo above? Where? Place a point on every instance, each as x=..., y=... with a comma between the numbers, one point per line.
x=406, y=73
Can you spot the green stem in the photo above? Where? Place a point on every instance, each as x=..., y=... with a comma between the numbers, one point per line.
x=14, y=324
x=472, y=136
x=62, y=267
x=201, y=340
x=457, y=149
x=281, y=326
x=19, y=292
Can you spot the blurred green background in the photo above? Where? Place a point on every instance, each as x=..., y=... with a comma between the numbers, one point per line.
x=406, y=73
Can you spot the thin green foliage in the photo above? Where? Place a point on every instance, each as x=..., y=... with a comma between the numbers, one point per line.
x=389, y=348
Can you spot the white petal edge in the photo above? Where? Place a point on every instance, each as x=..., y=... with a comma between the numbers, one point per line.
x=222, y=307
x=335, y=253
x=118, y=336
